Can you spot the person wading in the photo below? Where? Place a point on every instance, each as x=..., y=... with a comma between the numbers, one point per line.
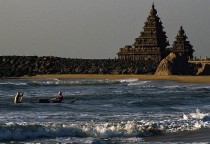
x=18, y=98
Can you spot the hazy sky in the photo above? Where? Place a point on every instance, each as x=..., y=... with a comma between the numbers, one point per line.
x=95, y=28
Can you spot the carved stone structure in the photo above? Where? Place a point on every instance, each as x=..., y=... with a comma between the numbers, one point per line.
x=152, y=42
x=182, y=46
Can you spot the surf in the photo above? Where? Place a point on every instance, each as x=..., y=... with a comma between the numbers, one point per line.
x=129, y=129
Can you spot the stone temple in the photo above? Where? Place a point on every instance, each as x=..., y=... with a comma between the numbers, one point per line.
x=181, y=45
x=152, y=43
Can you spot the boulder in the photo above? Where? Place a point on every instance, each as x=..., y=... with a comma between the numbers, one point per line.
x=173, y=64
x=164, y=68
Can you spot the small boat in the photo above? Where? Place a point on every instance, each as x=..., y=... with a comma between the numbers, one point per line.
x=48, y=101
x=53, y=101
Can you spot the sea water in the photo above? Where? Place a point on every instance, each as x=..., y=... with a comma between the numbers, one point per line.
x=106, y=111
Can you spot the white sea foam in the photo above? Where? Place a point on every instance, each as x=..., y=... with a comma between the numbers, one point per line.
x=136, y=83
x=13, y=83
x=172, y=86
x=129, y=80
x=135, y=128
x=71, y=82
x=201, y=87
x=185, y=117
x=198, y=114
x=198, y=119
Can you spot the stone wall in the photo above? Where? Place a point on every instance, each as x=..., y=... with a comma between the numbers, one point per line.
x=16, y=66
x=201, y=68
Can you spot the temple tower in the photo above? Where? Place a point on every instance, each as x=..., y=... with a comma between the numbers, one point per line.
x=151, y=44
x=182, y=46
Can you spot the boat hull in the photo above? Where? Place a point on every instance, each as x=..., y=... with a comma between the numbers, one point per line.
x=48, y=101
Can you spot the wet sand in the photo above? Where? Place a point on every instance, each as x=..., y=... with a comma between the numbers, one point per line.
x=198, y=136
x=187, y=79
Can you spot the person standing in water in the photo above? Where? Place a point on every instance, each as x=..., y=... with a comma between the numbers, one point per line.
x=18, y=98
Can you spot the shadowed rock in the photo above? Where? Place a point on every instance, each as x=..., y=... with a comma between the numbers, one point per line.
x=173, y=64
x=204, y=70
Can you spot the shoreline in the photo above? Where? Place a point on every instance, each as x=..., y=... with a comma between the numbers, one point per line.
x=184, y=79
x=199, y=136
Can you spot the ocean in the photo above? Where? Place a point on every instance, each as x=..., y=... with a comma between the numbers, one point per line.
x=106, y=111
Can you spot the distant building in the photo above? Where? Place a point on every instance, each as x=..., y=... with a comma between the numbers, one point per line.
x=152, y=42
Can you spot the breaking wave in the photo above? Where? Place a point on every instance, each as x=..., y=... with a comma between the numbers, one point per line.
x=56, y=82
x=21, y=131
x=129, y=80
x=73, y=82
x=133, y=81
x=139, y=83
x=13, y=83
x=78, y=82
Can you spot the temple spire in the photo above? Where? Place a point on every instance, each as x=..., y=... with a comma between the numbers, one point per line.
x=181, y=32
x=153, y=11
x=151, y=44
x=181, y=45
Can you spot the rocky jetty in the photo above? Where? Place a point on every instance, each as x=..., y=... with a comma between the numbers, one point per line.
x=16, y=66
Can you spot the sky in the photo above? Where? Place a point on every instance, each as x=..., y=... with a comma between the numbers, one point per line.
x=95, y=29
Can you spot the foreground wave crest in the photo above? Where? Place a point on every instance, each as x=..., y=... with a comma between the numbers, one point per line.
x=21, y=131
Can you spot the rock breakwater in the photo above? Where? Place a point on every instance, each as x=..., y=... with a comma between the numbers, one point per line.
x=16, y=66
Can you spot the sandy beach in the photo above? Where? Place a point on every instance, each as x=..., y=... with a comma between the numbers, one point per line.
x=187, y=79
